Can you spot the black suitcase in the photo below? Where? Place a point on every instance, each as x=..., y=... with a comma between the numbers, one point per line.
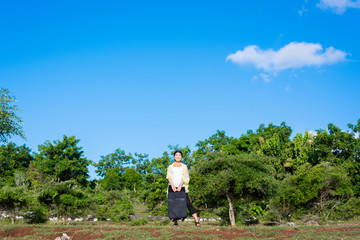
x=177, y=205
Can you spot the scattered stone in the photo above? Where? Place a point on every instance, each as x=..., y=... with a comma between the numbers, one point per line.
x=291, y=224
x=63, y=237
x=312, y=223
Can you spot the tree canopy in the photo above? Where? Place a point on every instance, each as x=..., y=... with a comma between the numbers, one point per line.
x=10, y=122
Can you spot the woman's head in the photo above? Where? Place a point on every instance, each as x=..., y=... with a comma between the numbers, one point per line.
x=178, y=155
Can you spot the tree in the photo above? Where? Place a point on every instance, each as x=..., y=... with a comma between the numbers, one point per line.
x=111, y=167
x=340, y=148
x=114, y=205
x=66, y=197
x=60, y=161
x=232, y=177
x=155, y=185
x=13, y=198
x=13, y=160
x=300, y=148
x=131, y=178
x=320, y=188
x=219, y=141
x=272, y=141
x=10, y=123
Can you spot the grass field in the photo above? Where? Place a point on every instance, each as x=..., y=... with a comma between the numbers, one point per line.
x=185, y=230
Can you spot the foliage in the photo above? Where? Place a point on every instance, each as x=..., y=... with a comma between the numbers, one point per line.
x=320, y=188
x=111, y=167
x=59, y=161
x=341, y=148
x=131, y=178
x=300, y=148
x=13, y=198
x=272, y=141
x=242, y=176
x=138, y=222
x=113, y=205
x=13, y=161
x=66, y=198
x=37, y=214
x=348, y=210
x=263, y=174
x=10, y=123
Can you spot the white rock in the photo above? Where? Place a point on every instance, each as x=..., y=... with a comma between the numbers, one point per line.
x=65, y=236
x=292, y=224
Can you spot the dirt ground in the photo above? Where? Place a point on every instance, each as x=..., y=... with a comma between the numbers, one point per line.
x=185, y=232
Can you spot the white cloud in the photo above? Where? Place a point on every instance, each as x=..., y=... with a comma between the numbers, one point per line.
x=293, y=55
x=265, y=77
x=338, y=6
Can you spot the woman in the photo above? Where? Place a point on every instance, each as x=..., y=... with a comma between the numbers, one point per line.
x=178, y=176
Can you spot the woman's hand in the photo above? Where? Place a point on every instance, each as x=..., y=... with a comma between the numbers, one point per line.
x=174, y=188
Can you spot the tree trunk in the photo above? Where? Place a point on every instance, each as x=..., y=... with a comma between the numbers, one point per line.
x=13, y=217
x=231, y=209
x=64, y=218
x=134, y=186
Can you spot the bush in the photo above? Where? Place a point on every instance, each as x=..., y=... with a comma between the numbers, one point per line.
x=138, y=222
x=161, y=210
x=37, y=214
x=162, y=222
x=347, y=210
x=113, y=208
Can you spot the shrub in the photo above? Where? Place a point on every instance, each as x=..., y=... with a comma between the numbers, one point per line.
x=113, y=208
x=138, y=222
x=37, y=214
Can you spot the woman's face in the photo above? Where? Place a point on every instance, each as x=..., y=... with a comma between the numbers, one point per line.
x=178, y=157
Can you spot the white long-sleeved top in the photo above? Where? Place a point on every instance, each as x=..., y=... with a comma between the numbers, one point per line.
x=184, y=175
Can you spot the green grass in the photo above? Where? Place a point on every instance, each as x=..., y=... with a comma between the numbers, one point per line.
x=186, y=230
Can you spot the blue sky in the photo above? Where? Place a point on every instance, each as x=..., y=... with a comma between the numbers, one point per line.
x=142, y=75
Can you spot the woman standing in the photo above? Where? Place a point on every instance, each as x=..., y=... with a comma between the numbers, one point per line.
x=178, y=176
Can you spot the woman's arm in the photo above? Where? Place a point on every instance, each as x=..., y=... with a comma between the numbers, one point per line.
x=180, y=185
x=172, y=185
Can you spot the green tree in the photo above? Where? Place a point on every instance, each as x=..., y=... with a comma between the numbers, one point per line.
x=319, y=188
x=219, y=141
x=113, y=204
x=67, y=198
x=155, y=185
x=10, y=123
x=111, y=167
x=300, y=148
x=340, y=148
x=233, y=177
x=272, y=141
x=14, y=161
x=131, y=178
x=60, y=161
x=12, y=199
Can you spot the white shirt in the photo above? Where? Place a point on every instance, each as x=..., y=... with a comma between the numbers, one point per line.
x=176, y=173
